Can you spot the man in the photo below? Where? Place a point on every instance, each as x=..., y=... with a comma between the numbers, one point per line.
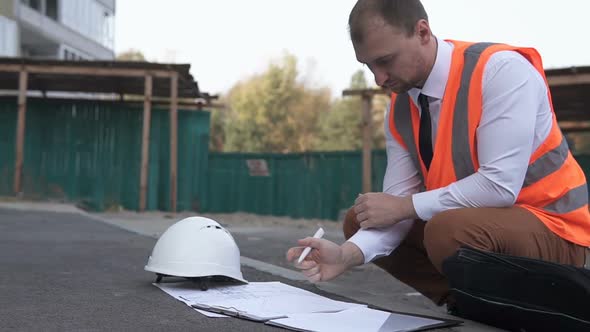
x=475, y=157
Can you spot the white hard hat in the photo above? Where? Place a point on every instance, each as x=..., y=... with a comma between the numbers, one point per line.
x=196, y=247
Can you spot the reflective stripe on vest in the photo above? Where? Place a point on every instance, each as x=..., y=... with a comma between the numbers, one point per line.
x=547, y=163
x=573, y=200
x=403, y=124
x=460, y=146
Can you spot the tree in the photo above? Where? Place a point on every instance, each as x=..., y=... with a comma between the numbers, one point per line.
x=358, y=80
x=274, y=112
x=131, y=55
x=341, y=128
x=380, y=104
x=217, y=134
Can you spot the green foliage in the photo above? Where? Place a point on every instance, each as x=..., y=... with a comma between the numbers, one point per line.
x=358, y=80
x=273, y=112
x=131, y=55
x=380, y=104
x=341, y=128
x=217, y=134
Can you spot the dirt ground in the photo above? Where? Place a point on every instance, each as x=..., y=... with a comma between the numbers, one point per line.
x=242, y=218
x=237, y=219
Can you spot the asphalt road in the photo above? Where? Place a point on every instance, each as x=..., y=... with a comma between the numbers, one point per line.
x=64, y=272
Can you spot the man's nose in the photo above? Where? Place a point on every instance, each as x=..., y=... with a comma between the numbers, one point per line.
x=380, y=77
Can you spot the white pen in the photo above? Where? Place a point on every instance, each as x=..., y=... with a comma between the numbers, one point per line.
x=317, y=235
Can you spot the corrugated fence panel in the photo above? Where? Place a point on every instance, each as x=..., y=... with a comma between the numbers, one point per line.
x=7, y=139
x=193, y=153
x=231, y=188
x=89, y=152
x=85, y=152
x=310, y=185
x=307, y=185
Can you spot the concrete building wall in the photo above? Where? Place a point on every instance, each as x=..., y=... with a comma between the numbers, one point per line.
x=7, y=8
x=108, y=3
x=64, y=29
x=91, y=18
x=8, y=37
x=42, y=36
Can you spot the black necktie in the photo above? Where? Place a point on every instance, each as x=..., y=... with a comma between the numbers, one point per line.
x=425, y=135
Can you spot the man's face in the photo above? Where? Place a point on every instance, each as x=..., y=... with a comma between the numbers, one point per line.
x=395, y=59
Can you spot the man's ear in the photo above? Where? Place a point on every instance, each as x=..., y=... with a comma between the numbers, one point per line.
x=422, y=30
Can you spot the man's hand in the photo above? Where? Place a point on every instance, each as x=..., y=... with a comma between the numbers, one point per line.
x=327, y=260
x=376, y=210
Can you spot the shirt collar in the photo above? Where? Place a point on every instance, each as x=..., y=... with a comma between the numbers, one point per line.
x=435, y=84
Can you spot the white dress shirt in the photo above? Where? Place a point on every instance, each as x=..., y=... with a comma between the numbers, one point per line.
x=516, y=119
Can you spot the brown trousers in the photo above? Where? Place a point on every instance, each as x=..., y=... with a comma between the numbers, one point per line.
x=514, y=231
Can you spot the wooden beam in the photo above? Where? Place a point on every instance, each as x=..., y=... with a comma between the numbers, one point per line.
x=554, y=81
x=574, y=126
x=367, y=121
x=90, y=71
x=568, y=79
x=363, y=92
x=20, y=131
x=367, y=118
x=173, y=139
x=184, y=107
x=211, y=105
x=160, y=100
x=145, y=143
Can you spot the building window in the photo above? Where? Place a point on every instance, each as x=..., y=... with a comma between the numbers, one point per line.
x=90, y=18
x=72, y=55
x=51, y=9
x=35, y=4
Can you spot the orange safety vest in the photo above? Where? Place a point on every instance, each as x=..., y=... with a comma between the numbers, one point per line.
x=554, y=187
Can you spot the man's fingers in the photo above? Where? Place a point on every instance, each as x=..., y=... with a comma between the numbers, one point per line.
x=363, y=216
x=290, y=254
x=294, y=253
x=314, y=270
x=360, y=199
x=307, y=265
x=314, y=255
x=311, y=270
x=360, y=207
x=305, y=242
x=312, y=242
x=315, y=278
x=366, y=224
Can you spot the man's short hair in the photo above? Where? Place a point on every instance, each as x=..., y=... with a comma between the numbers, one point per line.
x=401, y=14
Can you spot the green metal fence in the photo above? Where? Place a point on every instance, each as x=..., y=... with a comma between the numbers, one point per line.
x=310, y=185
x=302, y=185
x=7, y=139
x=90, y=152
x=193, y=153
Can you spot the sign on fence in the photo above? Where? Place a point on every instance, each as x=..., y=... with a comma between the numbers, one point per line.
x=257, y=167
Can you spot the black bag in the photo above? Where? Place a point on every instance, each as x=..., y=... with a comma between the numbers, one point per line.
x=518, y=294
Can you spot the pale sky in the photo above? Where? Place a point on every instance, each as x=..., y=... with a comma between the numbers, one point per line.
x=226, y=41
